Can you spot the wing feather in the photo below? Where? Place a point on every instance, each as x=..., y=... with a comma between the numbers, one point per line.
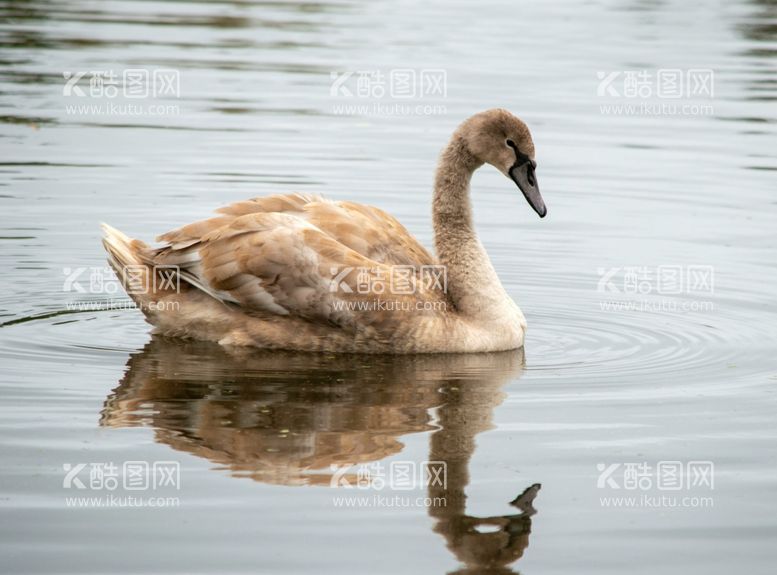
x=284, y=255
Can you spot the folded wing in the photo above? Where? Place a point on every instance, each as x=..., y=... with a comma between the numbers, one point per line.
x=300, y=255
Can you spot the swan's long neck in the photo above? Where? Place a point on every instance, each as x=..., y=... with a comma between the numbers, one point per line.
x=473, y=285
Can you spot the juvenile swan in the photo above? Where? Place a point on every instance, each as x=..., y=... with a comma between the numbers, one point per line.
x=305, y=273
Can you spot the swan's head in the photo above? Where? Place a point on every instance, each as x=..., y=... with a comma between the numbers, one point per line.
x=498, y=138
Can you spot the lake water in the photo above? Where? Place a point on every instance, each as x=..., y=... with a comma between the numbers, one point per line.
x=649, y=371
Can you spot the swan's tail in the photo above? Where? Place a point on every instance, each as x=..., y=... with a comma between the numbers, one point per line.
x=131, y=261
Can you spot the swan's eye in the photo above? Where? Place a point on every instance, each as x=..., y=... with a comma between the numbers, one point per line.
x=510, y=143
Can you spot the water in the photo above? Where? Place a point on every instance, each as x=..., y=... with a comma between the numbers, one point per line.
x=685, y=377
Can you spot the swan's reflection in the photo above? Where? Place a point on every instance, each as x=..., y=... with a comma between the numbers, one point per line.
x=286, y=418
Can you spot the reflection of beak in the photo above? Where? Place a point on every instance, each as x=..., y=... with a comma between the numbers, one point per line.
x=525, y=501
x=523, y=175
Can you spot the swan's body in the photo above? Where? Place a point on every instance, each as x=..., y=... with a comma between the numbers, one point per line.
x=303, y=273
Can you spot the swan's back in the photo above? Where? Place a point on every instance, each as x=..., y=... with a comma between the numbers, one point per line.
x=367, y=230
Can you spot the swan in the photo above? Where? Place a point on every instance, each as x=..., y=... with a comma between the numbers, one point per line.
x=300, y=272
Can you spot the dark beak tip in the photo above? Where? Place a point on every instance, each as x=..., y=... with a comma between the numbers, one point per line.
x=529, y=188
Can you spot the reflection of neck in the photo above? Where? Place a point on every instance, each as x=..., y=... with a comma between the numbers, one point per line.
x=472, y=282
x=467, y=411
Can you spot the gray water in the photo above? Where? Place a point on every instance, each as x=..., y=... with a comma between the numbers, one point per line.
x=619, y=368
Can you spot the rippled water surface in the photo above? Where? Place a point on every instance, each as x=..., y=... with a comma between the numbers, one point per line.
x=618, y=368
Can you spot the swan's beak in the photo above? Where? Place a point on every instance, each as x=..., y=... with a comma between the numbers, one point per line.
x=523, y=175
